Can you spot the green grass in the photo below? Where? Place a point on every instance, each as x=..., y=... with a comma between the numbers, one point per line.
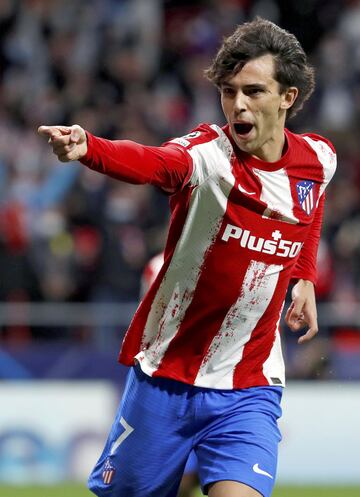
x=74, y=490
x=316, y=492
x=63, y=490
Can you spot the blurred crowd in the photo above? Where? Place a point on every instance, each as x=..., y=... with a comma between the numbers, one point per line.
x=134, y=69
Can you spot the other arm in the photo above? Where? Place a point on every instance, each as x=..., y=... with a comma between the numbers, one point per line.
x=302, y=310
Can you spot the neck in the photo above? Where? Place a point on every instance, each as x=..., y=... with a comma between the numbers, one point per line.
x=273, y=149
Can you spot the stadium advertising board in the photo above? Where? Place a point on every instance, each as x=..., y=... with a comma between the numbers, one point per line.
x=53, y=431
x=321, y=434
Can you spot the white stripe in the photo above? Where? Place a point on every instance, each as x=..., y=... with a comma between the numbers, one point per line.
x=326, y=157
x=199, y=233
x=274, y=365
x=227, y=347
x=276, y=193
x=307, y=204
x=211, y=157
x=311, y=200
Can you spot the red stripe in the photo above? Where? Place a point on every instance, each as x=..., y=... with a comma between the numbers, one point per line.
x=249, y=372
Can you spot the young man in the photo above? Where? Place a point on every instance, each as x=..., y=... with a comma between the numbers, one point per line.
x=204, y=345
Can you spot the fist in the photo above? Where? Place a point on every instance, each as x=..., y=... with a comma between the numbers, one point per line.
x=68, y=142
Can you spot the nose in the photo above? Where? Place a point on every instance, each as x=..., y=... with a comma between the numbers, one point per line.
x=240, y=103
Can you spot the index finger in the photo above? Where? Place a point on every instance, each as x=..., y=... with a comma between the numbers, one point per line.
x=53, y=131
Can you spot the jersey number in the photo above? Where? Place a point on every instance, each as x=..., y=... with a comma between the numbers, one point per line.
x=128, y=430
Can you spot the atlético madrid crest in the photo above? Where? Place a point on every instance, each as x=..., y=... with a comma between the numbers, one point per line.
x=306, y=195
x=108, y=472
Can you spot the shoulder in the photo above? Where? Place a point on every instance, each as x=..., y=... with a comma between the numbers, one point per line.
x=318, y=141
x=202, y=134
x=316, y=154
x=315, y=143
x=325, y=153
x=210, y=151
x=311, y=140
x=316, y=146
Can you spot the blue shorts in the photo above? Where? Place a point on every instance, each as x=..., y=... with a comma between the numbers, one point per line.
x=191, y=464
x=234, y=434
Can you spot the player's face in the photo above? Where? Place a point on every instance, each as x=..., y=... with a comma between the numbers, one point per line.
x=256, y=110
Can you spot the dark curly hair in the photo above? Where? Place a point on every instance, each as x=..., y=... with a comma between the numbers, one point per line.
x=260, y=37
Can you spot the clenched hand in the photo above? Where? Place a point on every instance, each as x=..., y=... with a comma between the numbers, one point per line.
x=68, y=142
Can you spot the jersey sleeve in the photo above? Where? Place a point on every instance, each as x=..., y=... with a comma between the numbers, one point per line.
x=190, y=159
x=305, y=267
x=167, y=167
x=208, y=148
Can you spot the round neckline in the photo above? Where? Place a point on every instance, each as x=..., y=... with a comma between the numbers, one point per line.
x=255, y=161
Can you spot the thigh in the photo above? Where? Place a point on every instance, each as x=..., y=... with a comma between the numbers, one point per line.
x=232, y=489
x=241, y=444
x=144, y=454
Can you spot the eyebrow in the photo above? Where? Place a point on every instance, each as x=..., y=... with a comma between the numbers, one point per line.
x=245, y=87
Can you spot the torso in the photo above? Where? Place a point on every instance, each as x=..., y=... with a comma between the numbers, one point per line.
x=212, y=316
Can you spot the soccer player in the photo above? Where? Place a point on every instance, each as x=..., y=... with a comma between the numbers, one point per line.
x=204, y=350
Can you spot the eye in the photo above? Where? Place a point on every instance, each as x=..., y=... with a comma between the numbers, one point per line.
x=227, y=91
x=254, y=91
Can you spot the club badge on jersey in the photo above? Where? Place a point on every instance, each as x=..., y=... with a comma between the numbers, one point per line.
x=305, y=191
x=108, y=472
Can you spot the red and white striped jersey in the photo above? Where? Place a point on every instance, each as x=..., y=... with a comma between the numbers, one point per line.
x=240, y=229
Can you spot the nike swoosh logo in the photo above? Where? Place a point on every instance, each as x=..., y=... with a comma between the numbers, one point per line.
x=256, y=469
x=245, y=191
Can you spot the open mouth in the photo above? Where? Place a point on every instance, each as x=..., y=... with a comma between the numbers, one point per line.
x=243, y=128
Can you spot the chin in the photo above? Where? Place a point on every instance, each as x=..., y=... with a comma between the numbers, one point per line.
x=245, y=147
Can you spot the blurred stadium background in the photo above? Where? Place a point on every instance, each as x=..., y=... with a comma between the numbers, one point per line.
x=73, y=244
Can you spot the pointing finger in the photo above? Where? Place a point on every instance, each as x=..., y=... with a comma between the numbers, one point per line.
x=49, y=131
x=53, y=132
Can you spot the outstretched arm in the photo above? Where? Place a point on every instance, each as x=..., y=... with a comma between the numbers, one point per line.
x=167, y=167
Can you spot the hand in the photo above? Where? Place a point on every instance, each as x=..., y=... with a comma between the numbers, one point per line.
x=68, y=142
x=302, y=311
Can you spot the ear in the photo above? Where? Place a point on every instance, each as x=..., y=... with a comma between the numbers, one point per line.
x=288, y=97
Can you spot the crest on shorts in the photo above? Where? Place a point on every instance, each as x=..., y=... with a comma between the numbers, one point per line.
x=305, y=191
x=108, y=472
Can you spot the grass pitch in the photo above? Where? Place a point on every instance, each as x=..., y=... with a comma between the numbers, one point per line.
x=76, y=490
